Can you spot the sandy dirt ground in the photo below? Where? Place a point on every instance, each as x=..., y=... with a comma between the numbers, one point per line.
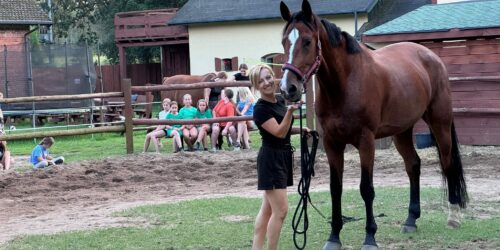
x=84, y=195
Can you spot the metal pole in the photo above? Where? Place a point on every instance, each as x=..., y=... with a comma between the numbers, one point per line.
x=49, y=3
x=30, y=79
x=5, y=67
x=66, y=117
x=100, y=81
x=90, y=86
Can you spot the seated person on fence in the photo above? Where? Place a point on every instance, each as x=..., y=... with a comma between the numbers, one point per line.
x=156, y=134
x=244, y=107
x=166, y=130
x=174, y=131
x=4, y=151
x=188, y=112
x=40, y=157
x=203, y=113
x=224, y=108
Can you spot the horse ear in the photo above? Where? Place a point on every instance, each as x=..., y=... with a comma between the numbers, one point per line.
x=285, y=12
x=307, y=10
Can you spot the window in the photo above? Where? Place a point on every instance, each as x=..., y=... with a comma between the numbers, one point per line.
x=226, y=64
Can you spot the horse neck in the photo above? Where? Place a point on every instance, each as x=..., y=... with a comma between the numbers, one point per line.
x=334, y=70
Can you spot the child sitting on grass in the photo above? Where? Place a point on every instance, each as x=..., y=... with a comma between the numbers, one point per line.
x=40, y=157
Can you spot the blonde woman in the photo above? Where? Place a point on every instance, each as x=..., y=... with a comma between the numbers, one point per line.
x=244, y=107
x=274, y=162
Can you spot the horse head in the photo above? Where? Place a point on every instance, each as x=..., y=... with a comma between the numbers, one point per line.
x=302, y=46
x=312, y=44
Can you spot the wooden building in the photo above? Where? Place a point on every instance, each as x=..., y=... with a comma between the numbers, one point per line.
x=466, y=35
x=149, y=28
x=16, y=19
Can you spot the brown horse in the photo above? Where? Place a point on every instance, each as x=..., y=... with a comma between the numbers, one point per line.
x=177, y=95
x=364, y=95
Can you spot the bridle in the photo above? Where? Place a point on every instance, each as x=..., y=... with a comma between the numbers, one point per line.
x=312, y=70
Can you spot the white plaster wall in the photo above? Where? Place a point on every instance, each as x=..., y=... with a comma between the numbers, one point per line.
x=249, y=41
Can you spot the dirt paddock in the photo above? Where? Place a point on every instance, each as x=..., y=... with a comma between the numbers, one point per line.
x=83, y=195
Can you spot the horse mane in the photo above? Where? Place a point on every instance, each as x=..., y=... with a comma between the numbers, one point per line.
x=335, y=34
x=208, y=77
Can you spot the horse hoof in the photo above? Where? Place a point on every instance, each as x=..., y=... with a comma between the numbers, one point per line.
x=332, y=245
x=408, y=229
x=369, y=247
x=453, y=224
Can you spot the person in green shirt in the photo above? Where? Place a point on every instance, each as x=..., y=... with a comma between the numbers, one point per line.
x=174, y=131
x=203, y=113
x=188, y=112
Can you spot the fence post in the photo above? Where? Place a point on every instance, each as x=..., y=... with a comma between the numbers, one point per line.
x=127, y=111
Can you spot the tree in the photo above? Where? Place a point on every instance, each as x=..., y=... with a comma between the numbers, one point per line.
x=92, y=21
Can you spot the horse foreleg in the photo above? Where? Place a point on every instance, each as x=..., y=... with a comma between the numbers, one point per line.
x=335, y=154
x=404, y=145
x=366, y=149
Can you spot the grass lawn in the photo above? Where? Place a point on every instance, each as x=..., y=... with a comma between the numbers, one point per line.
x=227, y=223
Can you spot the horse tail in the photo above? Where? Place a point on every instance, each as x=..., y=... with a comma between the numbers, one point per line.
x=453, y=176
x=456, y=180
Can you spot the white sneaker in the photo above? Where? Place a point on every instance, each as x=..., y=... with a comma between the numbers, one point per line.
x=236, y=149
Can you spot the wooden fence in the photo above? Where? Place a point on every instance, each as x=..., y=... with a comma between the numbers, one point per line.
x=130, y=122
x=128, y=125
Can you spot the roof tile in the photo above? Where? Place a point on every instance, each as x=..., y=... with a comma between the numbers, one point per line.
x=443, y=17
x=210, y=11
x=22, y=12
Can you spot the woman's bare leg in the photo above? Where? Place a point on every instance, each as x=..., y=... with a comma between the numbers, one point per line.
x=6, y=160
x=158, y=134
x=261, y=222
x=215, y=136
x=278, y=201
x=193, y=132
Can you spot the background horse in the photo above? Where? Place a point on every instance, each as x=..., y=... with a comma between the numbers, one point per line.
x=185, y=79
x=364, y=95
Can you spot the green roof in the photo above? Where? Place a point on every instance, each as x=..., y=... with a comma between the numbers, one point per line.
x=443, y=17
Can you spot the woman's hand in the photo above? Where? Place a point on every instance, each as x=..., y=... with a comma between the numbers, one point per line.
x=294, y=107
x=306, y=131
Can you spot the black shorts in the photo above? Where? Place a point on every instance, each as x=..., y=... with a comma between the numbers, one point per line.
x=274, y=168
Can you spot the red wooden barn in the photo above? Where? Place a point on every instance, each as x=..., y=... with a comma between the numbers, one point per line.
x=149, y=28
x=466, y=36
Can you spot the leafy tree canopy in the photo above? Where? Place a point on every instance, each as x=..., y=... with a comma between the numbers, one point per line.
x=91, y=21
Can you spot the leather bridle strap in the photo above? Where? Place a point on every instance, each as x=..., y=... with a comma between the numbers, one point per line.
x=312, y=70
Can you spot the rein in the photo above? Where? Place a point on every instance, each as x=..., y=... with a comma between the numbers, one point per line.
x=312, y=70
x=307, y=159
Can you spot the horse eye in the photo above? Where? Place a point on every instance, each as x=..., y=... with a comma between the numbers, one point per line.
x=306, y=42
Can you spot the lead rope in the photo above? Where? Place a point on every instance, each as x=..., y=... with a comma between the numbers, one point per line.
x=307, y=159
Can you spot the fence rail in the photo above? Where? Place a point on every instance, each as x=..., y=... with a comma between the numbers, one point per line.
x=128, y=125
x=80, y=131
x=60, y=97
x=200, y=85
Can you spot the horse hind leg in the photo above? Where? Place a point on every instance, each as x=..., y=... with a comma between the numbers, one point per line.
x=441, y=125
x=404, y=145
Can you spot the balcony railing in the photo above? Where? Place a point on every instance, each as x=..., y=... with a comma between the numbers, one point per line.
x=149, y=24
